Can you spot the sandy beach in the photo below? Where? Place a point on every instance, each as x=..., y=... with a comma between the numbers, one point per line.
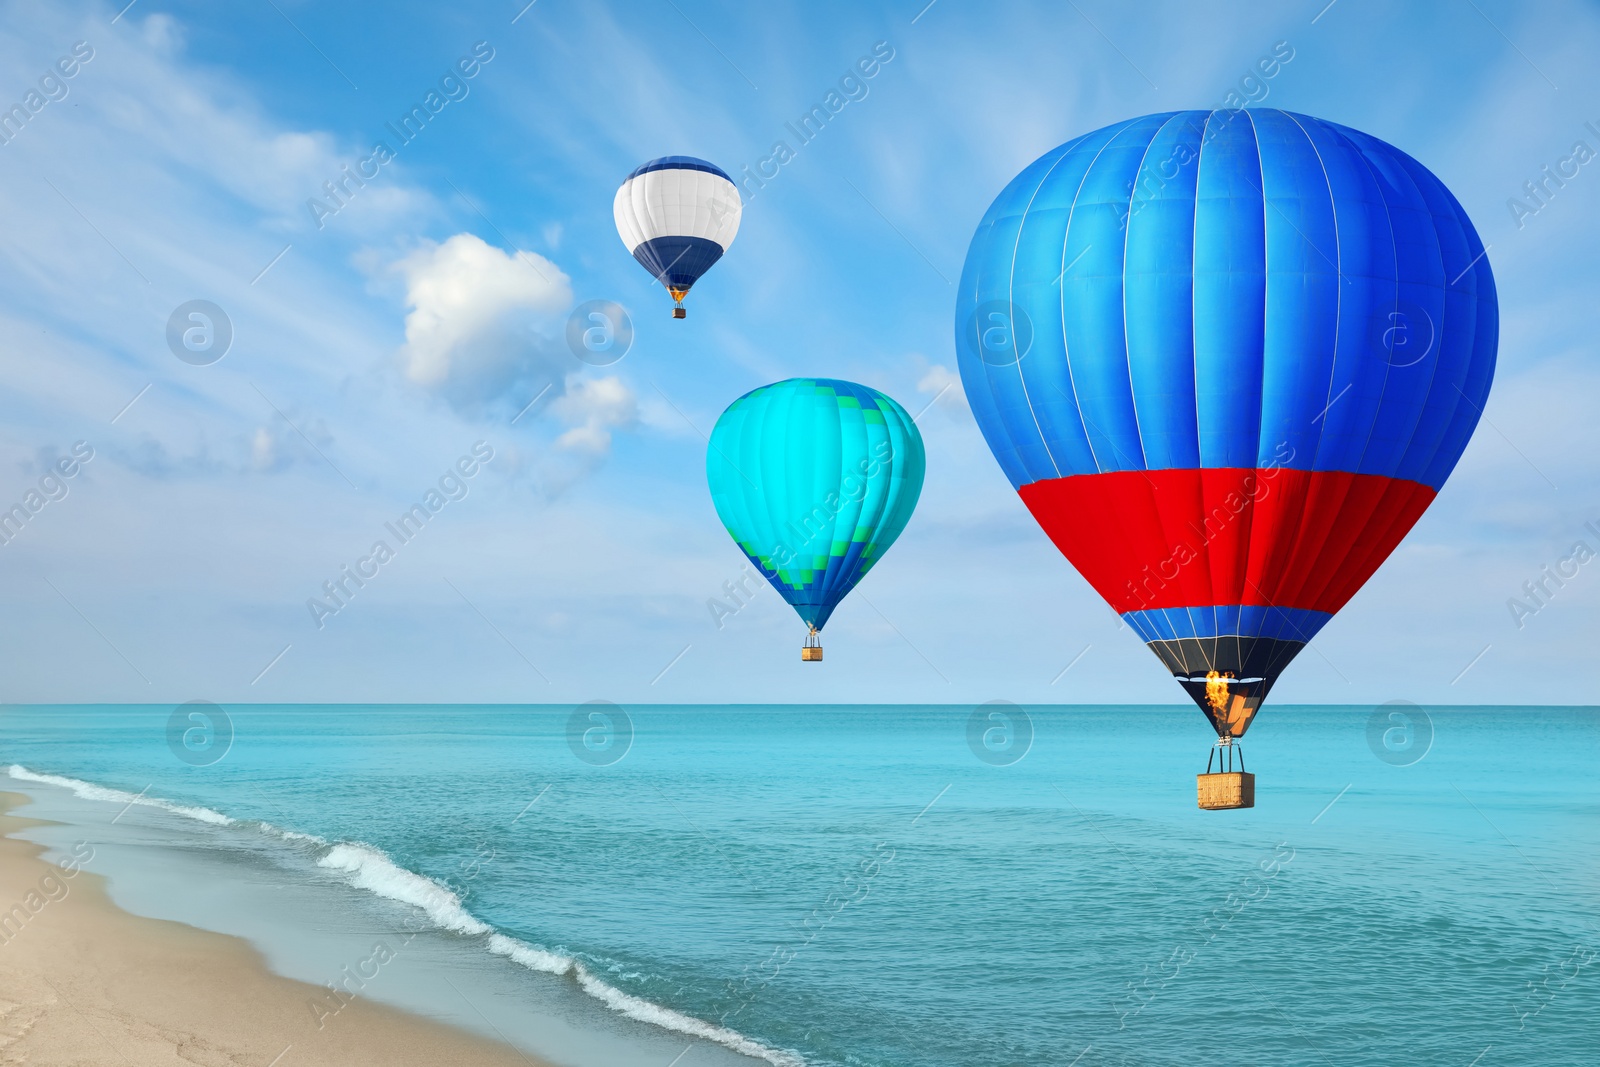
x=82, y=982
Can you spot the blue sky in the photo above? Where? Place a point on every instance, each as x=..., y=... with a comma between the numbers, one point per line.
x=425, y=314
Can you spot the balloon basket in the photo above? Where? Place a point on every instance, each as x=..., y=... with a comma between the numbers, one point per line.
x=811, y=651
x=1225, y=788
x=1219, y=792
x=679, y=313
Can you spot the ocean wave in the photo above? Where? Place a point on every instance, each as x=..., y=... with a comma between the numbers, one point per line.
x=291, y=835
x=530, y=956
x=645, y=1011
x=372, y=870
x=650, y=1012
x=90, y=791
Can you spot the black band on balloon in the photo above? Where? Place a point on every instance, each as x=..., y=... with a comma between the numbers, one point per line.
x=1227, y=677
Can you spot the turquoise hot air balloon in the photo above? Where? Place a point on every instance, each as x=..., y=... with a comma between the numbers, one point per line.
x=815, y=478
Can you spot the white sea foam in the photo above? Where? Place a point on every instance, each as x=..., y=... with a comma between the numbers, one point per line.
x=650, y=1012
x=292, y=835
x=538, y=959
x=530, y=956
x=371, y=869
x=90, y=791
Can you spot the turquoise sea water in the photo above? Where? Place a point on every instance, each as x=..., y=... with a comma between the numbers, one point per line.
x=894, y=885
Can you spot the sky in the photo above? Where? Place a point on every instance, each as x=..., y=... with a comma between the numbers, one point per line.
x=380, y=338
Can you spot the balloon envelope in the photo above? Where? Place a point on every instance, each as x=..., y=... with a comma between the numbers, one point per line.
x=1227, y=359
x=677, y=215
x=814, y=478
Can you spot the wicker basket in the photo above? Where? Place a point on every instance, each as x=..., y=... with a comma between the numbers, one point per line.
x=811, y=653
x=1235, y=789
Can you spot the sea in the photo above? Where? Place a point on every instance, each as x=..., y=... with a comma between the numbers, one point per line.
x=866, y=886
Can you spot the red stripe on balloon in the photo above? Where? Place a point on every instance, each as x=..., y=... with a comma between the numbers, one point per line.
x=1192, y=538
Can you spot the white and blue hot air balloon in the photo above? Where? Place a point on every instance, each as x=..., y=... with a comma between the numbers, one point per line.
x=677, y=215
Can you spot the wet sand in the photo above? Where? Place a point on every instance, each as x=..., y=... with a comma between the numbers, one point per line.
x=84, y=983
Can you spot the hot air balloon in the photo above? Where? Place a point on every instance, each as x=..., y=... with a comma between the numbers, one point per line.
x=1227, y=359
x=677, y=215
x=814, y=478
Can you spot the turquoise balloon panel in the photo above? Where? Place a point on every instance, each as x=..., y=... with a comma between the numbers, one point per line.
x=814, y=478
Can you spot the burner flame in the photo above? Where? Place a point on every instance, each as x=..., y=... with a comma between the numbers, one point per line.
x=1217, y=691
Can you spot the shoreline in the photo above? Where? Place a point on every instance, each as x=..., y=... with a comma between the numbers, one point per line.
x=84, y=982
x=345, y=919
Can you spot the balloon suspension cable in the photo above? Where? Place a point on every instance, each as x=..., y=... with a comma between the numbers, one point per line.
x=1222, y=753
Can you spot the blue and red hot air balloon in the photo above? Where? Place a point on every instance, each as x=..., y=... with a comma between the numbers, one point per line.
x=1227, y=359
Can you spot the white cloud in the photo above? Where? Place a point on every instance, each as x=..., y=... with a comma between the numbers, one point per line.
x=594, y=407
x=482, y=321
x=943, y=385
x=660, y=417
x=591, y=408
x=263, y=450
